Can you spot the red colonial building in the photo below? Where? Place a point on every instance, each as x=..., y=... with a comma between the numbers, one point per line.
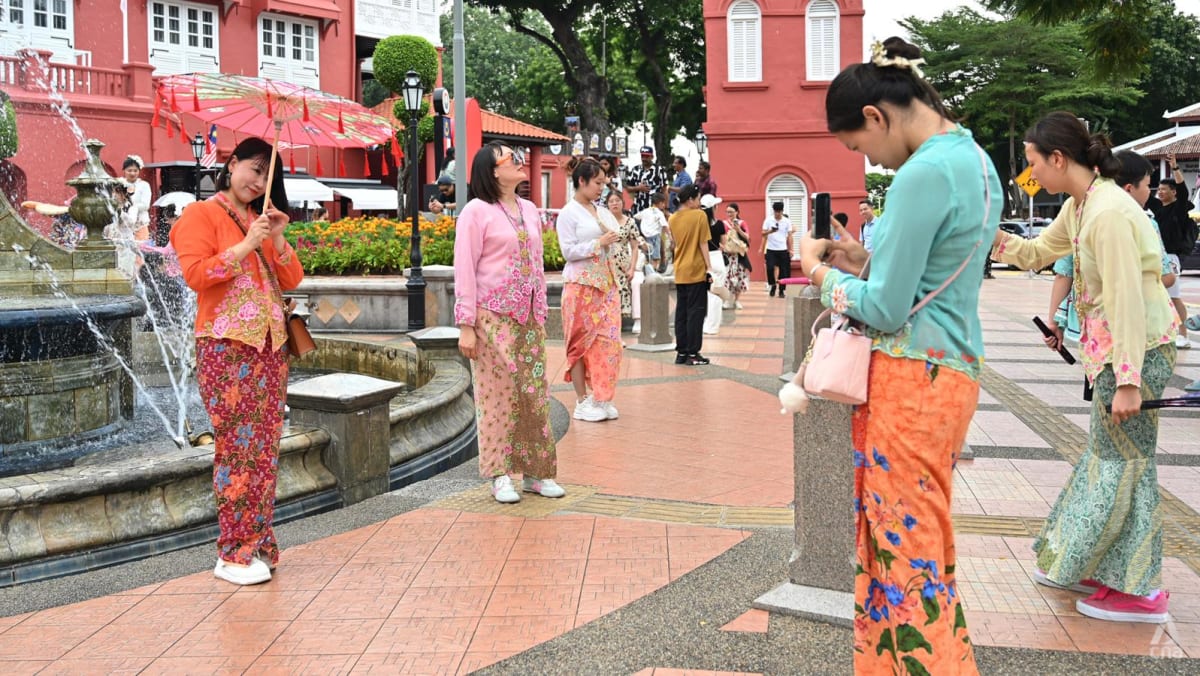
x=100, y=58
x=770, y=63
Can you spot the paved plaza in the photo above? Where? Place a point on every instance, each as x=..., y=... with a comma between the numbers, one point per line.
x=676, y=518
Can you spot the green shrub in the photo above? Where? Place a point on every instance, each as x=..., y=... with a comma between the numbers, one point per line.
x=8, y=129
x=396, y=55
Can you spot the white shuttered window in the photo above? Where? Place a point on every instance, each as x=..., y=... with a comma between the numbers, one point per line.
x=822, y=39
x=791, y=190
x=287, y=50
x=745, y=42
x=183, y=38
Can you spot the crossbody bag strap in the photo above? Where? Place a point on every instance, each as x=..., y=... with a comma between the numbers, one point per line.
x=262, y=258
x=987, y=207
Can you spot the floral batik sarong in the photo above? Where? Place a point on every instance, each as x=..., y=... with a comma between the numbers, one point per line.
x=908, y=616
x=1106, y=524
x=592, y=326
x=512, y=404
x=244, y=390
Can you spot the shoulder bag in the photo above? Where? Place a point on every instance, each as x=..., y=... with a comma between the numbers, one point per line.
x=837, y=366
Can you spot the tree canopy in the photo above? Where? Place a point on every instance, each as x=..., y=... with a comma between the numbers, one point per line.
x=605, y=55
x=1114, y=32
x=1000, y=76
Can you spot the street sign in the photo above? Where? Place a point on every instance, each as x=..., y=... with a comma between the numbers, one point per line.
x=1028, y=183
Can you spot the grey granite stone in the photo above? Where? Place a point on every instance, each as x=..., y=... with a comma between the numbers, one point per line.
x=656, y=312
x=137, y=513
x=813, y=603
x=68, y=526
x=824, y=511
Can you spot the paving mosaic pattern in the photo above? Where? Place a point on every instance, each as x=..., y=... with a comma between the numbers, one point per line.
x=698, y=457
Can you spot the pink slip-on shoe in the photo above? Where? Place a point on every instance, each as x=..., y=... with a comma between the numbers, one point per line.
x=1114, y=606
x=1083, y=586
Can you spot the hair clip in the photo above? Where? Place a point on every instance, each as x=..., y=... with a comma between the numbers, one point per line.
x=880, y=58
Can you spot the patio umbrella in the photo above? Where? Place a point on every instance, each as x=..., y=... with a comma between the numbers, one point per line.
x=175, y=199
x=270, y=109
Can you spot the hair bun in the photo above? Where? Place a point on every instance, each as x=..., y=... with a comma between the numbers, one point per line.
x=897, y=47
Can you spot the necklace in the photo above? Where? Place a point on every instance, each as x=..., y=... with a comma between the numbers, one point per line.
x=519, y=221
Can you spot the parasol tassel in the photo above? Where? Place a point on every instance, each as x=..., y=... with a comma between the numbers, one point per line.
x=305, y=118
x=183, y=137
x=341, y=125
x=157, y=108
x=270, y=108
x=292, y=161
x=366, y=164
x=383, y=169
x=174, y=102
x=320, y=169
x=342, y=167
x=195, y=101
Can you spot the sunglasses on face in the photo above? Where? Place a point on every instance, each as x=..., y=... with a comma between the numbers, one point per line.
x=516, y=157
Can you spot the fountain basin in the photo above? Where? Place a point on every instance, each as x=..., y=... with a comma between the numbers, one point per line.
x=60, y=384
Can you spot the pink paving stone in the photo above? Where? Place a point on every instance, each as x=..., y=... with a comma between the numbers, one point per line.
x=753, y=621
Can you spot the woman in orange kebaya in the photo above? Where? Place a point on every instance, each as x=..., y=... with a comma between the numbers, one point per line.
x=234, y=256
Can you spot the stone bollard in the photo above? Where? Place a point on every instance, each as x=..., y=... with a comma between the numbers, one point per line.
x=801, y=312
x=656, y=316
x=438, y=342
x=820, y=582
x=353, y=409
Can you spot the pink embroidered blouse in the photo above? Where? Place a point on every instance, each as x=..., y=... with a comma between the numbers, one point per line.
x=489, y=270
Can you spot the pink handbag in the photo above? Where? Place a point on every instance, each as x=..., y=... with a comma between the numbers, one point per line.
x=837, y=366
x=838, y=363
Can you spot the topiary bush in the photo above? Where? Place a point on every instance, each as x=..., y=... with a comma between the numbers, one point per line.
x=396, y=55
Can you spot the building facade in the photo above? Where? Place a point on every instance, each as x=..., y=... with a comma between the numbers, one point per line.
x=96, y=62
x=769, y=64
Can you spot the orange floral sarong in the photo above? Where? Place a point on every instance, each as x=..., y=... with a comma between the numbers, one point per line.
x=592, y=326
x=908, y=616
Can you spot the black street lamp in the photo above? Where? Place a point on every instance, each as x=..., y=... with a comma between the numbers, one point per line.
x=411, y=89
x=198, y=152
x=701, y=143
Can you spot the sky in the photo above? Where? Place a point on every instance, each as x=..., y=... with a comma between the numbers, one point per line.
x=882, y=17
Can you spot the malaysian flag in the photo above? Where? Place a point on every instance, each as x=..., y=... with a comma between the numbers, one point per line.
x=210, y=147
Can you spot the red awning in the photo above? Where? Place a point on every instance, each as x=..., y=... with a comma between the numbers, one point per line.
x=326, y=10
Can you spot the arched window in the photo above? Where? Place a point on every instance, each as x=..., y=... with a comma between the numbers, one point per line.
x=791, y=190
x=745, y=42
x=821, y=23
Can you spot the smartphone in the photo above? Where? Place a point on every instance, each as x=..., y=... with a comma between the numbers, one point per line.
x=824, y=213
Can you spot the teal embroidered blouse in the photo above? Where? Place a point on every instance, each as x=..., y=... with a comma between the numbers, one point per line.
x=934, y=215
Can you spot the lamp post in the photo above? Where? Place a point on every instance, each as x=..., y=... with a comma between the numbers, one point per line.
x=198, y=152
x=701, y=143
x=416, y=279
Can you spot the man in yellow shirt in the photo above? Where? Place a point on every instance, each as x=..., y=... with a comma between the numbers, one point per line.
x=690, y=232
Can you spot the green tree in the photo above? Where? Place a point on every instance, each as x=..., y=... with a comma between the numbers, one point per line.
x=1170, y=81
x=1114, y=33
x=394, y=56
x=608, y=53
x=8, y=127
x=877, y=187
x=1000, y=76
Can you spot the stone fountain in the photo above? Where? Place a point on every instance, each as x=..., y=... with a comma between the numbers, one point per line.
x=62, y=315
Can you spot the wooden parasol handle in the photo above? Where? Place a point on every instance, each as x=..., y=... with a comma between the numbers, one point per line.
x=271, y=166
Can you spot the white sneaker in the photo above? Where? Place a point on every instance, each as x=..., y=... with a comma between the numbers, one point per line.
x=255, y=573
x=1182, y=342
x=610, y=411
x=738, y=305
x=637, y=327
x=587, y=410
x=543, y=487
x=503, y=491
